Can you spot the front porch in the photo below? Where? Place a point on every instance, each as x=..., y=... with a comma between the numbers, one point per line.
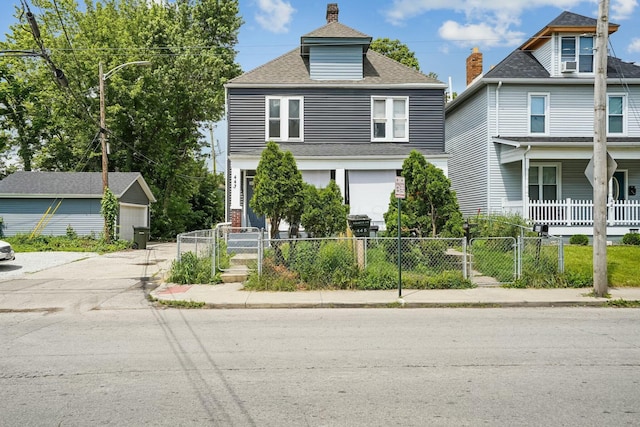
x=570, y=216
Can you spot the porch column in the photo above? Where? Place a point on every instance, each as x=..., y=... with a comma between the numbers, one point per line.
x=525, y=187
x=340, y=181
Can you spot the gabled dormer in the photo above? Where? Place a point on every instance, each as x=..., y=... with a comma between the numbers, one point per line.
x=335, y=51
x=565, y=47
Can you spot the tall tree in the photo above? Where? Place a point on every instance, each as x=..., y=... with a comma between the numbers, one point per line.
x=153, y=114
x=397, y=51
x=431, y=207
x=324, y=212
x=278, y=188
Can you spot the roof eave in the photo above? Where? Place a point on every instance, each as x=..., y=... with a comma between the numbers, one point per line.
x=336, y=85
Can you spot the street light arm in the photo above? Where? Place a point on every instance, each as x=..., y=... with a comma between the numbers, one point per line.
x=114, y=70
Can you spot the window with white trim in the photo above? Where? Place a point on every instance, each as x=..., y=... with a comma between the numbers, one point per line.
x=578, y=49
x=544, y=182
x=390, y=119
x=284, y=118
x=538, y=113
x=616, y=108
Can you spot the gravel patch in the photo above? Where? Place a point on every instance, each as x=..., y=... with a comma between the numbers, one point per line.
x=30, y=262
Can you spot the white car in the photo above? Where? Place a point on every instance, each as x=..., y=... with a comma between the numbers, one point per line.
x=6, y=253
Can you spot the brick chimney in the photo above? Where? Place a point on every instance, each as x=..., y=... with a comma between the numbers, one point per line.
x=474, y=65
x=332, y=12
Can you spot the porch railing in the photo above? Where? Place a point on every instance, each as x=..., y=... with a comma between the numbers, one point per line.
x=570, y=212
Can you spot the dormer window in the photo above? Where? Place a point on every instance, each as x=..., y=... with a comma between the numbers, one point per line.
x=576, y=54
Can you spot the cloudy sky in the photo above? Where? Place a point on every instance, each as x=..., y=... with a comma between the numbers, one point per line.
x=440, y=32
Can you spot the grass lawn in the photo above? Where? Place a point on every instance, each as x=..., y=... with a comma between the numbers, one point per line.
x=623, y=263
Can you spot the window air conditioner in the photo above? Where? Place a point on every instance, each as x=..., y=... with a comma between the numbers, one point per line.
x=569, y=66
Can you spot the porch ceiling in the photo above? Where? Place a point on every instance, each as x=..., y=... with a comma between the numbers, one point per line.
x=563, y=148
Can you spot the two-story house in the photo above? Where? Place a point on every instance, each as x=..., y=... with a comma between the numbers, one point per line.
x=521, y=136
x=344, y=111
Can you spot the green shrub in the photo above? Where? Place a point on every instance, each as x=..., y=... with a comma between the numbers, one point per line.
x=1, y=227
x=26, y=243
x=495, y=225
x=579, y=239
x=191, y=269
x=71, y=233
x=443, y=280
x=275, y=277
x=631, y=239
x=377, y=276
x=538, y=279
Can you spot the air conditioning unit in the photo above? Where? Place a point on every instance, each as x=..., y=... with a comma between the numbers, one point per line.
x=569, y=66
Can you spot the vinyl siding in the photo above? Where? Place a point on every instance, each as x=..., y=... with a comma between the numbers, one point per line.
x=22, y=216
x=466, y=142
x=335, y=62
x=333, y=116
x=570, y=109
x=544, y=55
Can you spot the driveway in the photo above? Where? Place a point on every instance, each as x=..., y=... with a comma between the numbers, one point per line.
x=57, y=281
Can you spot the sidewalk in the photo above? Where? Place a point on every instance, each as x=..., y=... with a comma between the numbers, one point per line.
x=231, y=295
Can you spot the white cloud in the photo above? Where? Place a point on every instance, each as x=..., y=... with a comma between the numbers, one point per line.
x=634, y=46
x=482, y=34
x=622, y=9
x=402, y=10
x=488, y=23
x=274, y=15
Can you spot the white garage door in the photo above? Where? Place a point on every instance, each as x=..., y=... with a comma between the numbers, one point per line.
x=130, y=216
x=369, y=193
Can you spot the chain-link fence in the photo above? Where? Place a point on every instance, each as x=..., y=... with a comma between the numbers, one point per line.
x=199, y=242
x=369, y=263
x=376, y=263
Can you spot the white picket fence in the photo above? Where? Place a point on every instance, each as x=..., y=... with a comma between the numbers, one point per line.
x=570, y=212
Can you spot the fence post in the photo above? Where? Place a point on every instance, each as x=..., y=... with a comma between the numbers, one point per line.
x=520, y=250
x=178, y=246
x=260, y=250
x=214, y=253
x=561, y=255
x=465, y=273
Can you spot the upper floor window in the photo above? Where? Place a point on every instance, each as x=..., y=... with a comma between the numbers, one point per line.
x=538, y=112
x=577, y=54
x=390, y=118
x=616, y=107
x=284, y=118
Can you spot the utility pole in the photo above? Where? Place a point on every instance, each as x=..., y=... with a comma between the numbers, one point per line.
x=213, y=148
x=103, y=136
x=600, y=184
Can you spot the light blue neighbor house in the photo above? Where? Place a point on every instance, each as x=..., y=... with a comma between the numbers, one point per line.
x=53, y=201
x=521, y=135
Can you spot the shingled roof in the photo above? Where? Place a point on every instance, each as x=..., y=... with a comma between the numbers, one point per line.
x=336, y=30
x=69, y=184
x=292, y=68
x=523, y=65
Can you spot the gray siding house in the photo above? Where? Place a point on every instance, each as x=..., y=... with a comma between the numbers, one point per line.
x=520, y=136
x=56, y=200
x=344, y=111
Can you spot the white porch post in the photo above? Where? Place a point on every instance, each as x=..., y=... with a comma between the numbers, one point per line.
x=340, y=181
x=525, y=187
x=236, y=185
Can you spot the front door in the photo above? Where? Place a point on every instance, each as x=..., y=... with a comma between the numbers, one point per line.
x=619, y=186
x=253, y=219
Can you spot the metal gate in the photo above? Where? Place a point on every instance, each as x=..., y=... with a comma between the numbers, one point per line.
x=237, y=249
x=493, y=260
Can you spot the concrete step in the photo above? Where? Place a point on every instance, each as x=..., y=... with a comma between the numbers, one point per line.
x=237, y=273
x=243, y=259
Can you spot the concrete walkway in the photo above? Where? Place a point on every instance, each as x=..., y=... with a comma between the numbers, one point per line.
x=103, y=276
